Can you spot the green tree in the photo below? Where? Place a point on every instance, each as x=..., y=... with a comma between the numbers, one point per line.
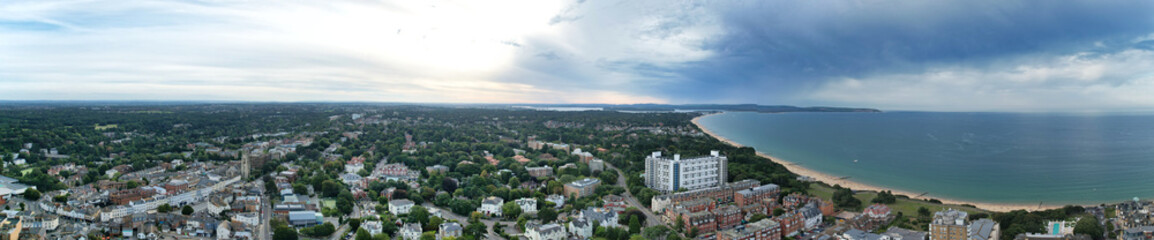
x=187, y=210
x=923, y=212
x=885, y=197
x=284, y=233
x=844, y=198
x=32, y=194
x=1089, y=226
x=547, y=215
x=679, y=223
x=163, y=208
x=428, y=236
x=655, y=232
x=363, y=235
x=634, y=225
x=511, y=210
x=419, y=214
x=354, y=224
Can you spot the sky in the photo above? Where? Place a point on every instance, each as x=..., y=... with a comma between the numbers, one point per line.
x=942, y=55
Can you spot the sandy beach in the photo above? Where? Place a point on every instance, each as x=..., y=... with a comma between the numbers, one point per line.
x=857, y=186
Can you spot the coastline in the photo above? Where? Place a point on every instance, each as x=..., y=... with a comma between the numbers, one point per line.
x=858, y=186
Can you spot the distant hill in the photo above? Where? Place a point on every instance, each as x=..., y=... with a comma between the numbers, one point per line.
x=718, y=107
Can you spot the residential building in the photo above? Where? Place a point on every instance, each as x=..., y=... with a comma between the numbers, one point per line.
x=600, y=216
x=790, y=223
x=765, y=229
x=437, y=169
x=400, y=206
x=949, y=224
x=491, y=206
x=10, y=228
x=854, y=234
x=557, y=199
x=545, y=232
x=615, y=203
x=411, y=231
x=723, y=194
x=582, y=188
x=1138, y=233
x=755, y=195
x=811, y=215
x=728, y=216
x=581, y=228
x=448, y=230
x=671, y=174
x=897, y=233
x=528, y=205
x=544, y=171
x=373, y=227
x=984, y=229
x=877, y=211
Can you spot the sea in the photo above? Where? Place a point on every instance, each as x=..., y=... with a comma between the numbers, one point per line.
x=1000, y=158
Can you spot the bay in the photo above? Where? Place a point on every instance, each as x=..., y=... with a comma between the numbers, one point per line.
x=1012, y=158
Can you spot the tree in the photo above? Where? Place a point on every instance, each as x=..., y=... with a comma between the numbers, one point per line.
x=163, y=208
x=284, y=233
x=634, y=225
x=680, y=222
x=60, y=198
x=1089, y=226
x=923, y=212
x=419, y=214
x=354, y=224
x=547, y=215
x=511, y=210
x=885, y=197
x=757, y=217
x=428, y=236
x=655, y=232
x=32, y=194
x=363, y=234
x=187, y=210
x=844, y=198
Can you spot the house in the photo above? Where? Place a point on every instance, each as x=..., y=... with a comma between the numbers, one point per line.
x=854, y=234
x=604, y=218
x=581, y=228
x=491, y=206
x=222, y=231
x=877, y=211
x=897, y=233
x=582, y=188
x=765, y=229
x=545, y=232
x=557, y=200
x=811, y=215
x=437, y=169
x=401, y=206
x=373, y=227
x=615, y=203
x=411, y=231
x=528, y=205
x=449, y=230
x=984, y=229
x=545, y=171
x=791, y=223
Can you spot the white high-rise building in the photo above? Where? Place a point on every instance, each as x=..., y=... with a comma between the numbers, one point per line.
x=670, y=174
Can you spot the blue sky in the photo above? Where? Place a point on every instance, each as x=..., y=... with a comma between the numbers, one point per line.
x=896, y=55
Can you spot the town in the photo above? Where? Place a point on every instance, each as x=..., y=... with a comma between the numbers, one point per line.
x=436, y=173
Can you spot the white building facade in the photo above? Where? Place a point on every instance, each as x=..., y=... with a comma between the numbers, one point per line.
x=670, y=174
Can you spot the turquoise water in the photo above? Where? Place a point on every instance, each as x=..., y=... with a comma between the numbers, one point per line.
x=980, y=157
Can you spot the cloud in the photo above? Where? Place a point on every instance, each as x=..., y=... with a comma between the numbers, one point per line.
x=928, y=55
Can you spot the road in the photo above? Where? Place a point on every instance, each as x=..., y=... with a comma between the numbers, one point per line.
x=266, y=216
x=651, y=219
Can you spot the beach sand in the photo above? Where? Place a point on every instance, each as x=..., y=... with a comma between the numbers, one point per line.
x=857, y=186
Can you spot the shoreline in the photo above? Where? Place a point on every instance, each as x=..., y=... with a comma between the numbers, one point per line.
x=858, y=186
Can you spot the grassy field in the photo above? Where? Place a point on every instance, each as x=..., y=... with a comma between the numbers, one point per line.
x=329, y=203
x=103, y=127
x=908, y=207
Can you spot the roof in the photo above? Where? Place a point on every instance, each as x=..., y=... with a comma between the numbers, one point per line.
x=950, y=217
x=492, y=200
x=898, y=233
x=982, y=228
x=854, y=234
x=549, y=228
x=302, y=215
x=584, y=182
x=600, y=216
x=401, y=202
x=450, y=227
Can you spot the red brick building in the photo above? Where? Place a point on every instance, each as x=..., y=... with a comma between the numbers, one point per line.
x=728, y=216
x=123, y=197
x=765, y=229
x=790, y=223
x=755, y=195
